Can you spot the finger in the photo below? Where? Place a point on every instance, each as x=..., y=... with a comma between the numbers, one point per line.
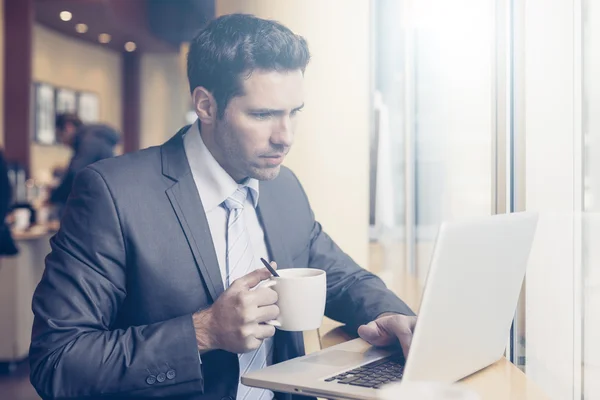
x=267, y=313
x=264, y=331
x=406, y=338
x=368, y=333
x=264, y=297
x=401, y=328
x=253, y=278
x=268, y=283
x=372, y=334
x=405, y=341
x=413, y=323
x=274, y=264
x=264, y=284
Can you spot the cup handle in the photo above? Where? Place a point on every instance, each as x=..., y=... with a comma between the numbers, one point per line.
x=273, y=322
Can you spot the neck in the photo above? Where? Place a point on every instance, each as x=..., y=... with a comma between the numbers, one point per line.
x=208, y=136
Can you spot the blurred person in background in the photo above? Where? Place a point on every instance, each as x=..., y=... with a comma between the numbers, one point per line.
x=90, y=143
x=7, y=245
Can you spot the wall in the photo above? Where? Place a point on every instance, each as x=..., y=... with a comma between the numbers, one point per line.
x=68, y=62
x=164, y=99
x=331, y=153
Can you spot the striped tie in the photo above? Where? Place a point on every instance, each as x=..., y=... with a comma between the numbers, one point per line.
x=240, y=261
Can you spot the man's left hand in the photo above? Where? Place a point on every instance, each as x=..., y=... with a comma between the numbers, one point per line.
x=389, y=329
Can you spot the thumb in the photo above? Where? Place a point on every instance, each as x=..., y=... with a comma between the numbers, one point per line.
x=373, y=334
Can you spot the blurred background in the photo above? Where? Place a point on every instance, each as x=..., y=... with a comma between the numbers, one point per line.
x=430, y=110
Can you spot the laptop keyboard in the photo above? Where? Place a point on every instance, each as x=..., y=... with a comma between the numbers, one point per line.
x=373, y=375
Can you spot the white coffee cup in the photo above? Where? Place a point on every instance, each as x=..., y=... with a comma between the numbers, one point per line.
x=22, y=219
x=301, y=298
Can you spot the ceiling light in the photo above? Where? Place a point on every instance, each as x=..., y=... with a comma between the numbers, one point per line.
x=104, y=38
x=81, y=28
x=66, y=15
x=130, y=46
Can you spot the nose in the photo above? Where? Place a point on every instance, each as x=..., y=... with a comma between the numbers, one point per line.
x=284, y=133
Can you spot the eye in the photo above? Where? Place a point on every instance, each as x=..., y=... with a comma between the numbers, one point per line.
x=295, y=112
x=262, y=115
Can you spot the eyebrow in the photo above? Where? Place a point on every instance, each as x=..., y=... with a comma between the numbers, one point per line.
x=273, y=111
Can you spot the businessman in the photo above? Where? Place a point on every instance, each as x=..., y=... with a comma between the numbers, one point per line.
x=146, y=292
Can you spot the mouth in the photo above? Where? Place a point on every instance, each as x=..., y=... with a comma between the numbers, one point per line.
x=274, y=159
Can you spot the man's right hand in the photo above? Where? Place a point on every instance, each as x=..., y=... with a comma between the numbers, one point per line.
x=235, y=322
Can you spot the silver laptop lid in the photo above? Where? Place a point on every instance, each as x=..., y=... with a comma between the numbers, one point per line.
x=470, y=296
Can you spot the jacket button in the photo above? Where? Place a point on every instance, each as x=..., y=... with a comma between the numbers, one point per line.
x=151, y=380
x=161, y=377
x=171, y=374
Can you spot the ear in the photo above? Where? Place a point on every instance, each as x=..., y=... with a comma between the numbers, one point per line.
x=204, y=105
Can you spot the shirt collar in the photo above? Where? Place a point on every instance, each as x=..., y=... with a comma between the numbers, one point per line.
x=215, y=185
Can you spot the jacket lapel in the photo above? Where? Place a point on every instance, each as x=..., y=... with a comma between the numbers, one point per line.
x=186, y=203
x=268, y=213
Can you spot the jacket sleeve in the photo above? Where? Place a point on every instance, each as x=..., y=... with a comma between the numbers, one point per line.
x=354, y=295
x=75, y=351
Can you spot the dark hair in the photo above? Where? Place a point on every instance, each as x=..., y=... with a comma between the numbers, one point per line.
x=63, y=119
x=231, y=47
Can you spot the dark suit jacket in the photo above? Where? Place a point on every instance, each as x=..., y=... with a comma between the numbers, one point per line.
x=134, y=259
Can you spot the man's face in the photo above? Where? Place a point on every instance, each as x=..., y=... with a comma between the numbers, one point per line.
x=257, y=129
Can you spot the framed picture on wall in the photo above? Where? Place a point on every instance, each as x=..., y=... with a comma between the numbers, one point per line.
x=88, y=107
x=66, y=101
x=44, y=114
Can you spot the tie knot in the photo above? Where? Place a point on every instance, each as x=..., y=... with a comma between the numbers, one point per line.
x=236, y=200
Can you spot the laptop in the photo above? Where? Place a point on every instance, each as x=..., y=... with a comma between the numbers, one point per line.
x=466, y=311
